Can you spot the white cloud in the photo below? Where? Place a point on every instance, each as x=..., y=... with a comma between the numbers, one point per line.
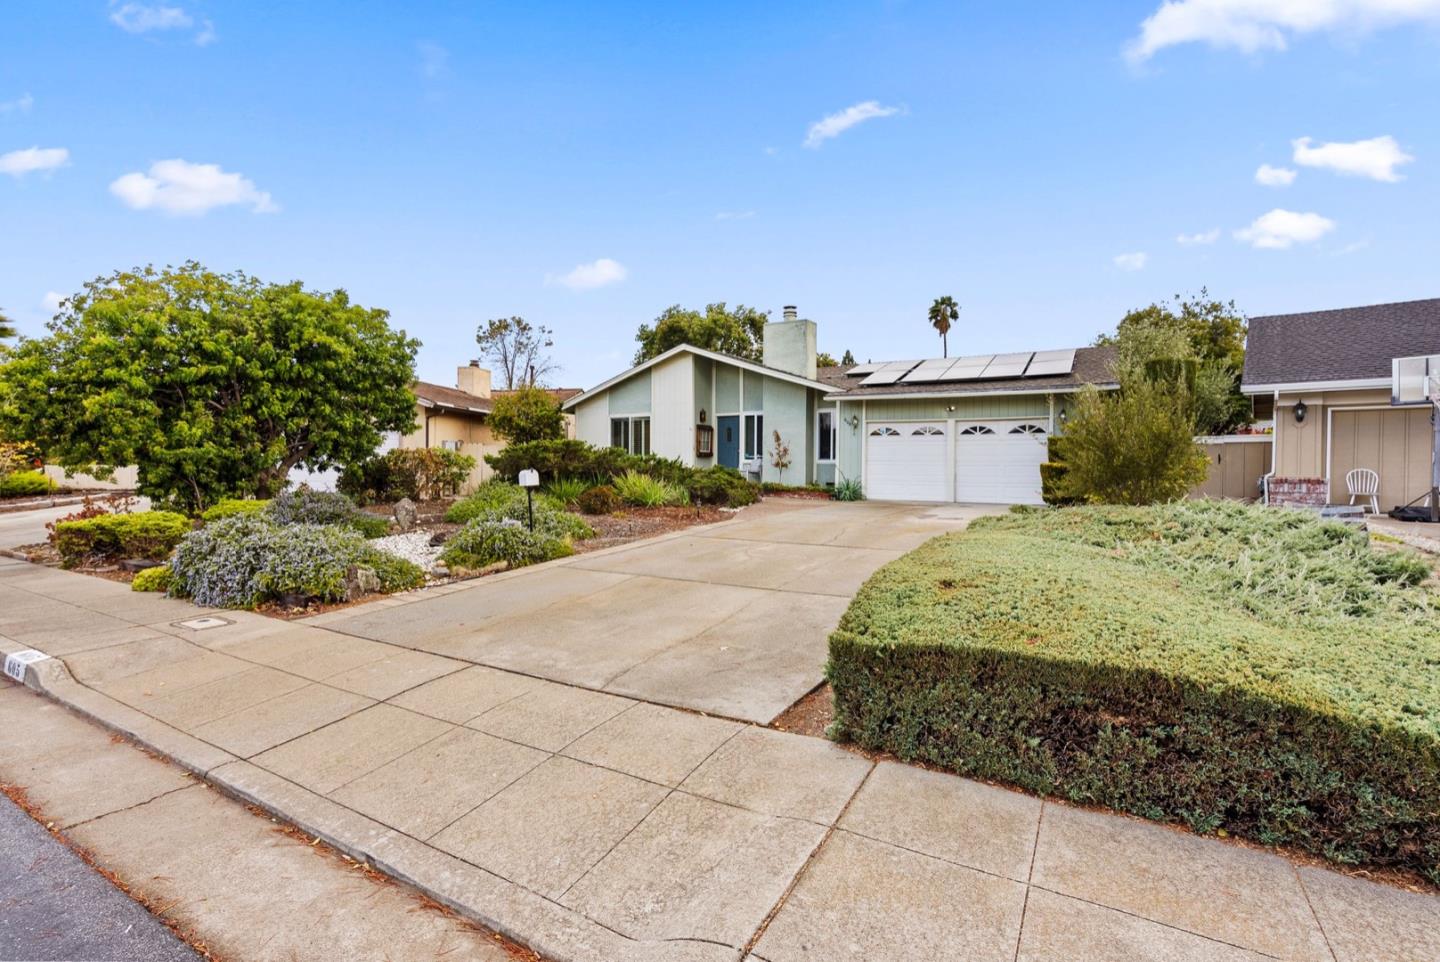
x=735, y=215
x=180, y=187
x=837, y=123
x=1268, y=176
x=51, y=302
x=1375, y=158
x=1280, y=229
x=1131, y=262
x=145, y=17
x=595, y=274
x=150, y=17
x=20, y=105
x=1203, y=237
x=1254, y=25
x=18, y=163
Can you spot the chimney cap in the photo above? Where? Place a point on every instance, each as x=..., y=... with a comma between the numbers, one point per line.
x=791, y=312
x=474, y=362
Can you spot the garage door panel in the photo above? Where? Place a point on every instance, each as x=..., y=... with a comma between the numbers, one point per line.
x=906, y=462
x=998, y=462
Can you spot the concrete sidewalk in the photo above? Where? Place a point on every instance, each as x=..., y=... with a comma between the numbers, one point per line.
x=593, y=826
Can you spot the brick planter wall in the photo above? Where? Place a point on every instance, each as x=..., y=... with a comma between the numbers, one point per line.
x=1297, y=492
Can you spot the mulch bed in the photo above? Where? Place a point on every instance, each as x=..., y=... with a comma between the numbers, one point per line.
x=632, y=524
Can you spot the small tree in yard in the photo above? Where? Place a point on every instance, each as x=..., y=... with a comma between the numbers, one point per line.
x=780, y=456
x=529, y=414
x=214, y=385
x=1132, y=446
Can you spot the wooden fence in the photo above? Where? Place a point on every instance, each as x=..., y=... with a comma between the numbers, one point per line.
x=1237, y=463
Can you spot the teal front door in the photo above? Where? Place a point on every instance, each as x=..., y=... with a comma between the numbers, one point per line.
x=727, y=448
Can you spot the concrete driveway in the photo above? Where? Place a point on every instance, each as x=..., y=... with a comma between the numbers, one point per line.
x=730, y=619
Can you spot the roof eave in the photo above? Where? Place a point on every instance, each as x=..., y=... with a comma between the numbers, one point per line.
x=1347, y=384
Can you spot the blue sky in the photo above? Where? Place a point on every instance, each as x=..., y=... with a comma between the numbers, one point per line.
x=585, y=165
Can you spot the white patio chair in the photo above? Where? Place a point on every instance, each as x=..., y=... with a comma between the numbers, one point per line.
x=1365, y=484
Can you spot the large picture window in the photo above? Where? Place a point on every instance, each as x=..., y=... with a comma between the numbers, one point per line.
x=754, y=436
x=630, y=434
x=825, y=435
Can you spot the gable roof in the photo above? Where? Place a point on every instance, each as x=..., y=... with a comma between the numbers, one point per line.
x=1093, y=365
x=739, y=362
x=1347, y=348
x=449, y=398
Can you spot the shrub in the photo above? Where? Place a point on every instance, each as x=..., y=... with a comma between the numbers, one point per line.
x=152, y=579
x=233, y=506
x=527, y=414
x=848, y=489
x=420, y=474
x=243, y=560
x=17, y=456
x=641, y=489
x=495, y=496
x=25, y=483
x=307, y=506
x=723, y=486
x=147, y=534
x=487, y=542
x=369, y=525
x=1233, y=668
x=1132, y=446
x=576, y=459
x=567, y=491
x=600, y=499
x=1052, y=473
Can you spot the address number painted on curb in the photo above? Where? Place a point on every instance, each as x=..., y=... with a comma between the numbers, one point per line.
x=15, y=664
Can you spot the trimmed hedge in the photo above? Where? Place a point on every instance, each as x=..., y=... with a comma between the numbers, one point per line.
x=144, y=534
x=18, y=484
x=565, y=459
x=230, y=507
x=151, y=579
x=1139, y=658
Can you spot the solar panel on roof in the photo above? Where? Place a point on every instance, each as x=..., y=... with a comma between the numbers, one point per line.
x=1051, y=362
x=889, y=373
x=860, y=369
x=929, y=370
x=1008, y=365
x=967, y=368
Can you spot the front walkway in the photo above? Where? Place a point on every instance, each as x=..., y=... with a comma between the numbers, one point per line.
x=592, y=826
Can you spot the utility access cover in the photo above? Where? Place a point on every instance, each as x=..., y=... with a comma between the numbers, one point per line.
x=200, y=624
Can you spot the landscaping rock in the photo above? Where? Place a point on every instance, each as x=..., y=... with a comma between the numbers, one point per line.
x=406, y=514
x=139, y=564
x=360, y=580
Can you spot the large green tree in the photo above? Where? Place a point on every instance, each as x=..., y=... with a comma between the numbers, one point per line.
x=527, y=414
x=738, y=331
x=1202, y=329
x=214, y=385
x=7, y=327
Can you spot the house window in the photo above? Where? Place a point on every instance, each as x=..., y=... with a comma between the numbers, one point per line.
x=630, y=434
x=754, y=436
x=825, y=435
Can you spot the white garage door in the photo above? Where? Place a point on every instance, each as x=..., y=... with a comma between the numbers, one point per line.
x=998, y=462
x=906, y=461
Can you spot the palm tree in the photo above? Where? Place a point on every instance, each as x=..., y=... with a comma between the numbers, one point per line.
x=944, y=313
x=7, y=327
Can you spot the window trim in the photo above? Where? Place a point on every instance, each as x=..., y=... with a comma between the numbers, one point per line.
x=631, y=423
x=834, y=414
x=758, y=437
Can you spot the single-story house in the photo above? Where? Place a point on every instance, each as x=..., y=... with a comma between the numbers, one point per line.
x=971, y=429
x=1327, y=378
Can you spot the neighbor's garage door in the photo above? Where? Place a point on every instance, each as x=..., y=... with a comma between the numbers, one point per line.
x=998, y=462
x=1396, y=444
x=905, y=461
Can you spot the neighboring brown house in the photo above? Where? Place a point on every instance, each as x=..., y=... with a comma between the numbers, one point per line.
x=457, y=418
x=1327, y=376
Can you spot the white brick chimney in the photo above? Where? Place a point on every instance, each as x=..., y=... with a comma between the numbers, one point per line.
x=789, y=345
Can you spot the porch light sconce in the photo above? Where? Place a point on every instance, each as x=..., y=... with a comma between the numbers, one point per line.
x=1300, y=410
x=951, y=409
x=1063, y=415
x=702, y=415
x=853, y=421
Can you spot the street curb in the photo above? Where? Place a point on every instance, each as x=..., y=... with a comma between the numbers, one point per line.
x=546, y=927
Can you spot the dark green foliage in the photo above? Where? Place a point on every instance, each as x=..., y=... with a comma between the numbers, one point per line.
x=738, y=332
x=151, y=579
x=1224, y=666
x=233, y=506
x=1132, y=446
x=1052, y=473
x=647, y=492
x=600, y=499
x=527, y=414
x=24, y=484
x=420, y=474
x=567, y=491
x=146, y=534
x=214, y=385
x=508, y=499
x=487, y=542
x=848, y=489
x=241, y=561
x=723, y=486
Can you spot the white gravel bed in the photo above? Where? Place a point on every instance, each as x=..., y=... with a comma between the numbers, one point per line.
x=413, y=546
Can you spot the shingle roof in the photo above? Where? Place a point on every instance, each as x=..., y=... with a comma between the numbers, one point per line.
x=1093, y=365
x=1353, y=343
x=450, y=398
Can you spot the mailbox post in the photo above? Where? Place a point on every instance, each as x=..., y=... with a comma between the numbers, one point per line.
x=530, y=480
